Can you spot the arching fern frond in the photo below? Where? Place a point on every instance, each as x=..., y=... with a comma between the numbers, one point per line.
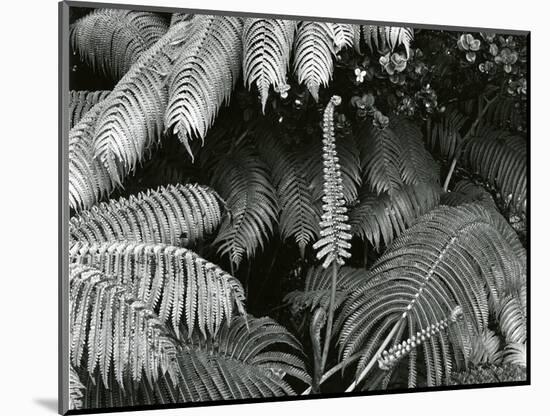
x=243, y=180
x=380, y=218
x=516, y=354
x=430, y=269
x=179, y=17
x=512, y=317
x=485, y=349
x=113, y=330
x=298, y=217
x=80, y=102
x=131, y=121
x=500, y=159
x=110, y=41
x=267, y=45
x=204, y=75
x=314, y=47
x=386, y=39
x=177, y=283
x=75, y=390
x=176, y=215
x=316, y=291
x=465, y=192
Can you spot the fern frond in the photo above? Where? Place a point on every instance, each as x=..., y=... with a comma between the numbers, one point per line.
x=512, y=317
x=446, y=137
x=177, y=283
x=110, y=41
x=465, y=192
x=243, y=180
x=334, y=245
x=131, y=121
x=114, y=331
x=176, y=215
x=315, y=45
x=80, y=102
x=75, y=390
x=298, y=217
x=516, y=354
x=500, y=159
x=385, y=39
x=317, y=288
x=204, y=75
x=430, y=269
x=485, y=349
x=380, y=218
x=179, y=17
x=267, y=45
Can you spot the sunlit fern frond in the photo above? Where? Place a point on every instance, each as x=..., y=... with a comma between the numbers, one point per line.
x=131, y=121
x=446, y=134
x=516, y=354
x=204, y=75
x=244, y=181
x=315, y=45
x=344, y=35
x=298, y=217
x=430, y=269
x=486, y=349
x=112, y=331
x=175, y=214
x=76, y=389
x=317, y=287
x=267, y=45
x=384, y=39
x=512, y=317
x=89, y=179
x=110, y=41
x=179, y=285
x=500, y=159
x=179, y=17
x=465, y=192
x=380, y=218
x=333, y=246
x=80, y=102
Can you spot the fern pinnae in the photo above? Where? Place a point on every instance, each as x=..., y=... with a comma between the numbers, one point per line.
x=80, y=102
x=267, y=45
x=385, y=39
x=203, y=77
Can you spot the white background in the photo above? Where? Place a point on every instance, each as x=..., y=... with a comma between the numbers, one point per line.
x=28, y=170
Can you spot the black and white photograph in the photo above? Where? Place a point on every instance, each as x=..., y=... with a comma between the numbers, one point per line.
x=265, y=208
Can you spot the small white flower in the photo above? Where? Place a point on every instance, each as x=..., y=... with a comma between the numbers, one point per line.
x=283, y=90
x=360, y=75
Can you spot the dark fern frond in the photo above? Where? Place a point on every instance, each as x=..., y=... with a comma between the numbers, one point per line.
x=315, y=45
x=380, y=218
x=430, y=269
x=384, y=39
x=204, y=75
x=177, y=283
x=298, y=217
x=244, y=181
x=446, y=134
x=334, y=245
x=110, y=41
x=80, y=102
x=267, y=45
x=113, y=330
x=317, y=288
x=465, y=192
x=176, y=215
x=500, y=159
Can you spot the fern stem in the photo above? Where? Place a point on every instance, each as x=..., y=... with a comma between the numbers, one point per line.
x=466, y=138
x=328, y=333
x=333, y=370
x=374, y=358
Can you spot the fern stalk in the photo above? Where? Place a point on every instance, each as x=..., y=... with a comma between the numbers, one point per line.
x=466, y=138
x=334, y=243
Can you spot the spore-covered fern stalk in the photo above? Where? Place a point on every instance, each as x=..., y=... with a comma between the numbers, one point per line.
x=334, y=244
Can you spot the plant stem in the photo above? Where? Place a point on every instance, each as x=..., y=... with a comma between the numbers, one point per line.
x=328, y=332
x=375, y=356
x=464, y=140
x=334, y=369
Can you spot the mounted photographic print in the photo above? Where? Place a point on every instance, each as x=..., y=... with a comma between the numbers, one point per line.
x=260, y=207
